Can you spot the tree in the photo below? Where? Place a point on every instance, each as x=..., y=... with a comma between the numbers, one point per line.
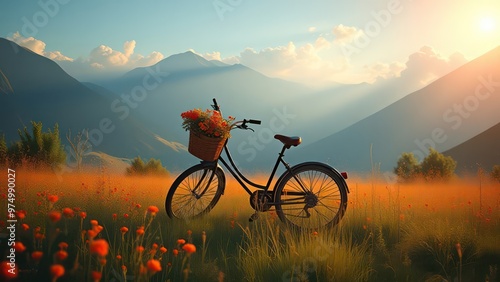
x=495, y=172
x=436, y=166
x=79, y=146
x=38, y=148
x=154, y=167
x=407, y=168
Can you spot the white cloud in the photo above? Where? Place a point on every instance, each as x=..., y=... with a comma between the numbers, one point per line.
x=38, y=47
x=345, y=34
x=31, y=43
x=107, y=58
x=311, y=29
x=426, y=65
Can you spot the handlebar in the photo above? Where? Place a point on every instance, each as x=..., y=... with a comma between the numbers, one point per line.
x=239, y=124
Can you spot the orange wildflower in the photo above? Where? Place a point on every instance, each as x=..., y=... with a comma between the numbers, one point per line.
x=175, y=252
x=140, y=231
x=153, y=265
x=63, y=245
x=25, y=226
x=56, y=271
x=181, y=241
x=94, y=222
x=140, y=249
x=96, y=275
x=55, y=216
x=118, y=257
x=53, y=198
x=83, y=215
x=163, y=250
x=124, y=230
x=189, y=248
x=19, y=247
x=61, y=255
x=99, y=247
x=68, y=212
x=153, y=210
x=6, y=272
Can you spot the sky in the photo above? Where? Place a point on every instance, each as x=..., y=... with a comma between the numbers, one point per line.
x=316, y=43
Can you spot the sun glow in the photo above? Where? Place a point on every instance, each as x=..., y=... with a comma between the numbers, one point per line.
x=487, y=24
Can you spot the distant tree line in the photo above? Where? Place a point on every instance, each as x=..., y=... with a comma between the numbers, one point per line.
x=152, y=167
x=435, y=166
x=35, y=148
x=38, y=149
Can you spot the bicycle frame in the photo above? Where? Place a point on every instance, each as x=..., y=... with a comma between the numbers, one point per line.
x=242, y=180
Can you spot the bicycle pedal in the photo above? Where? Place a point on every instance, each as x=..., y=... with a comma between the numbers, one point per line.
x=254, y=216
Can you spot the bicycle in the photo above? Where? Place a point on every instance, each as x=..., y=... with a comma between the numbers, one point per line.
x=309, y=195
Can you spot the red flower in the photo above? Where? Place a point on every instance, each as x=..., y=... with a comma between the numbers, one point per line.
x=99, y=247
x=53, y=198
x=153, y=265
x=68, y=212
x=37, y=256
x=189, y=248
x=56, y=270
x=153, y=209
x=55, y=216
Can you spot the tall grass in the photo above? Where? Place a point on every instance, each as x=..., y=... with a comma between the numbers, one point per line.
x=410, y=232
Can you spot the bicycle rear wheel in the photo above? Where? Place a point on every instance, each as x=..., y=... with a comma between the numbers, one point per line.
x=311, y=196
x=195, y=192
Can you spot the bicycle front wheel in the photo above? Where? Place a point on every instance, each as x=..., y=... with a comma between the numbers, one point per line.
x=195, y=192
x=311, y=196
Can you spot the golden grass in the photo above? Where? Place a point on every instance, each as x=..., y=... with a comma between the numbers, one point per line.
x=388, y=232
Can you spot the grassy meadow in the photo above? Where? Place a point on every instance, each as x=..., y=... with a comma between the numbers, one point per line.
x=108, y=227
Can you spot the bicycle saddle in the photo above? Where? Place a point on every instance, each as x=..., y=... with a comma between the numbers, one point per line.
x=288, y=141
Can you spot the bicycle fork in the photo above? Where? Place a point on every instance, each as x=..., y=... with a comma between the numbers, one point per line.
x=205, y=172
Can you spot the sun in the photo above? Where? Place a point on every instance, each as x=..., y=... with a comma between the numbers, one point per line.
x=487, y=24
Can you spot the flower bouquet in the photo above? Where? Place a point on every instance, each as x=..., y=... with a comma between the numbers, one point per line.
x=208, y=132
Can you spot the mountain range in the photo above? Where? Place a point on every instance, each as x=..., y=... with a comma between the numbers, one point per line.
x=352, y=127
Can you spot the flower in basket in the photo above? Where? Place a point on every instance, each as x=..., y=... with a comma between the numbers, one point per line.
x=209, y=123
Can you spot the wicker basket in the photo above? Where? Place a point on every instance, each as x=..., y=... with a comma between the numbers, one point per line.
x=205, y=148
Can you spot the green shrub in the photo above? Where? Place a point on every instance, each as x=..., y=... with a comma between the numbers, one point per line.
x=152, y=167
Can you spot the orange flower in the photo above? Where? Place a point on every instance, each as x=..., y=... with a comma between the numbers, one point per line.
x=6, y=272
x=99, y=247
x=153, y=210
x=63, y=245
x=19, y=247
x=53, y=198
x=96, y=275
x=94, y=222
x=124, y=230
x=140, y=231
x=55, y=216
x=163, y=250
x=181, y=241
x=61, y=255
x=68, y=212
x=175, y=252
x=21, y=214
x=140, y=249
x=153, y=265
x=56, y=270
x=91, y=234
x=83, y=215
x=118, y=257
x=189, y=248
x=25, y=226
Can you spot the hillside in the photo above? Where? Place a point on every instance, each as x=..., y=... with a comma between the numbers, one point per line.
x=443, y=114
x=482, y=151
x=42, y=91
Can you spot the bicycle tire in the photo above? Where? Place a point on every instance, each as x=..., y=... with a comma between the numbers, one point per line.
x=182, y=201
x=325, y=197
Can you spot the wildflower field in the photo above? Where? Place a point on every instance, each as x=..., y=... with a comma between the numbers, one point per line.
x=106, y=227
